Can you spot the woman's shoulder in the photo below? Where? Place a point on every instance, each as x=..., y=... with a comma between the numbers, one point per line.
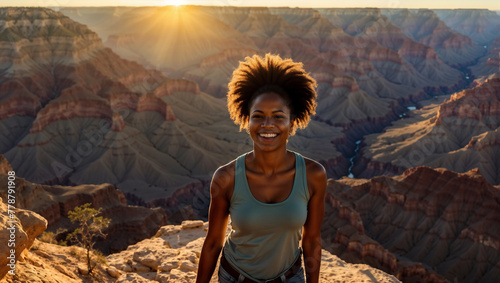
x=223, y=179
x=316, y=175
x=226, y=170
x=314, y=168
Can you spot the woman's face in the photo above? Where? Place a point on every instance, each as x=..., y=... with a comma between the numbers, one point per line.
x=269, y=122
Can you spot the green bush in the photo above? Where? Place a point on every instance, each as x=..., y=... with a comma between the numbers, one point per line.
x=90, y=226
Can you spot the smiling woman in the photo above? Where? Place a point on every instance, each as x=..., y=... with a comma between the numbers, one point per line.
x=275, y=197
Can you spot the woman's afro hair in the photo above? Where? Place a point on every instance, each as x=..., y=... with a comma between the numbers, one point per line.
x=257, y=75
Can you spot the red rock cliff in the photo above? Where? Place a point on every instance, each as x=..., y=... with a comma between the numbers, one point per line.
x=425, y=217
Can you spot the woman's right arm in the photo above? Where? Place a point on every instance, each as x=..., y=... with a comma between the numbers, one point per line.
x=218, y=214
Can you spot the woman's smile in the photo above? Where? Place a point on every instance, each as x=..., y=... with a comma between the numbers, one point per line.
x=268, y=135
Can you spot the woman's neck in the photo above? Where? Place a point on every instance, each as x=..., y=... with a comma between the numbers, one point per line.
x=268, y=162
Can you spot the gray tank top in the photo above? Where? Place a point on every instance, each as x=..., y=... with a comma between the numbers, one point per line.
x=264, y=241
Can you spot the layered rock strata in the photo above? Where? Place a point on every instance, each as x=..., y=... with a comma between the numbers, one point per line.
x=460, y=134
x=426, y=225
x=425, y=27
x=482, y=25
x=490, y=63
x=129, y=224
x=419, y=60
x=83, y=115
x=361, y=59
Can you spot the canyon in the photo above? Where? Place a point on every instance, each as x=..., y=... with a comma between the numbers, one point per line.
x=370, y=64
x=124, y=107
x=460, y=134
x=129, y=224
x=76, y=113
x=425, y=225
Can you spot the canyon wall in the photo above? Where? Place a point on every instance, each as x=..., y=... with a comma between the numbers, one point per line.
x=73, y=112
x=369, y=63
x=460, y=134
x=426, y=225
x=129, y=224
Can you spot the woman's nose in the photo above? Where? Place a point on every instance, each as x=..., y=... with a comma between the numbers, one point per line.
x=268, y=122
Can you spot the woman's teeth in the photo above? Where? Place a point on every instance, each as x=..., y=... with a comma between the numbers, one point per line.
x=268, y=135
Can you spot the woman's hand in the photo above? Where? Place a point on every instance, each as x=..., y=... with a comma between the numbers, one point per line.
x=220, y=194
x=311, y=234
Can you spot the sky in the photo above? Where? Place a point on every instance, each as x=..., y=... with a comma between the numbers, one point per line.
x=431, y=4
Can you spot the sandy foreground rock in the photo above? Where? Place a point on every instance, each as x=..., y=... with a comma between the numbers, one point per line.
x=173, y=254
x=18, y=230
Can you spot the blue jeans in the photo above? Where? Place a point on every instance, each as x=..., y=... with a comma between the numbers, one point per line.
x=225, y=277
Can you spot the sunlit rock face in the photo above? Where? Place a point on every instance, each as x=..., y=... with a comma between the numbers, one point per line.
x=460, y=134
x=172, y=255
x=25, y=225
x=426, y=225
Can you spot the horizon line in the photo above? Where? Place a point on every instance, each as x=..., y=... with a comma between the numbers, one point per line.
x=280, y=6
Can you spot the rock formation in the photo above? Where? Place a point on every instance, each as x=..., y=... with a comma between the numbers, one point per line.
x=80, y=114
x=171, y=37
x=362, y=60
x=173, y=255
x=482, y=25
x=490, y=63
x=421, y=61
x=129, y=224
x=18, y=230
x=460, y=134
x=429, y=225
x=426, y=225
x=41, y=34
x=425, y=27
x=54, y=263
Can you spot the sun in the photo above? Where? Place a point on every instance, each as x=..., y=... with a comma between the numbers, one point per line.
x=176, y=3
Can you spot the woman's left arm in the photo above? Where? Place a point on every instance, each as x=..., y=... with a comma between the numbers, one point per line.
x=311, y=234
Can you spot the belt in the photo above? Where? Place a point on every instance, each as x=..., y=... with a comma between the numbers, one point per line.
x=233, y=272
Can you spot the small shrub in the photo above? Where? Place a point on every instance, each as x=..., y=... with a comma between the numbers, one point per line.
x=90, y=227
